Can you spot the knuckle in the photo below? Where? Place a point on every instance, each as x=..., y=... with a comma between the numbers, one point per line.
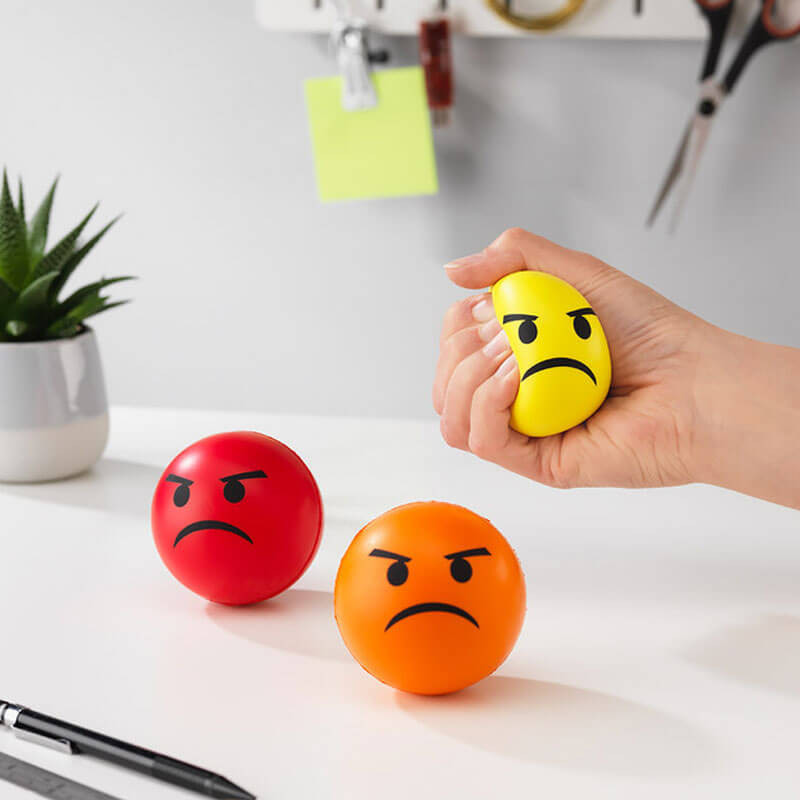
x=512, y=235
x=560, y=481
x=481, y=445
x=459, y=345
x=462, y=378
x=448, y=347
x=554, y=470
x=436, y=399
x=548, y=477
x=452, y=318
x=451, y=435
x=484, y=440
x=600, y=276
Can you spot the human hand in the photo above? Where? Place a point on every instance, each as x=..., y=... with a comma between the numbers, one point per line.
x=678, y=401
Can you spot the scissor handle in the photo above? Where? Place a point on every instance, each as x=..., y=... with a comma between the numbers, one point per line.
x=774, y=31
x=762, y=31
x=718, y=15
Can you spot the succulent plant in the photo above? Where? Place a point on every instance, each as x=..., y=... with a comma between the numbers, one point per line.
x=32, y=278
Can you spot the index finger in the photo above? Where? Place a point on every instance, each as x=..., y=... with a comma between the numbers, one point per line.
x=517, y=249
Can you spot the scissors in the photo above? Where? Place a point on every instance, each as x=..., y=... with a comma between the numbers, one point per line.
x=771, y=24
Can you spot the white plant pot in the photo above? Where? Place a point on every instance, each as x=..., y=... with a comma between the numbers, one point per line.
x=53, y=408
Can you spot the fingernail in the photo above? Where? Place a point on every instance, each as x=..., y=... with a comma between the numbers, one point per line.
x=498, y=345
x=466, y=261
x=483, y=311
x=489, y=329
x=507, y=368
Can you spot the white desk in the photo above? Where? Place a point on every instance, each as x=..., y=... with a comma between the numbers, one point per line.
x=660, y=657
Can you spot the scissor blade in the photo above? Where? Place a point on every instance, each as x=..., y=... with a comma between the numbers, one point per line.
x=698, y=136
x=673, y=173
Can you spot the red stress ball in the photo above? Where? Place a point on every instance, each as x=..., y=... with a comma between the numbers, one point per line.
x=237, y=517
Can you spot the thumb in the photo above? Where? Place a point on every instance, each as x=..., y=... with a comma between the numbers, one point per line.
x=517, y=249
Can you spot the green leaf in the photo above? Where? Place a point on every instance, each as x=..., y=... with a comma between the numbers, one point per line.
x=90, y=304
x=56, y=258
x=32, y=307
x=72, y=321
x=73, y=260
x=65, y=333
x=7, y=297
x=40, y=223
x=105, y=307
x=33, y=298
x=21, y=203
x=16, y=327
x=76, y=298
x=13, y=241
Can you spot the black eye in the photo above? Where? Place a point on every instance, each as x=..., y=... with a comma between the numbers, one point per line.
x=233, y=491
x=461, y=570
x=527, y=331
x=181, y=496
x=582, y=326
x=397, y=574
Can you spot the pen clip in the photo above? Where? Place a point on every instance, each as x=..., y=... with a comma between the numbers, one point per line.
x=62, y=745
x=9, y=716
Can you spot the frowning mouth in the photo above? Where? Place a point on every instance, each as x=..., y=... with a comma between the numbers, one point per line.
x=421, y=608
x=210, y=525
x=560, y=362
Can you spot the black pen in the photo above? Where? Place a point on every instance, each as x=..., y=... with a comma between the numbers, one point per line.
x=69, y=738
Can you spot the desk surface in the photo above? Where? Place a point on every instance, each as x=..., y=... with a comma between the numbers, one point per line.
x=660, y=657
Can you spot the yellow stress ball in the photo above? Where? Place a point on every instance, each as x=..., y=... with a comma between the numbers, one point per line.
x=561, y=350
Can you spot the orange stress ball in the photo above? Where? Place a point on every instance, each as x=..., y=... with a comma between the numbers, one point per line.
x=430, y=598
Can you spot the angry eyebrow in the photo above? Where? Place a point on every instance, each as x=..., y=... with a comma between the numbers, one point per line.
x=580, y=312
x=243, y=476
x=476, y=551
x=172, y=478
x=518, y=317
x=378, y=553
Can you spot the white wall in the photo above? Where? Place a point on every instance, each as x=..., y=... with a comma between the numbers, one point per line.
x=189, y=118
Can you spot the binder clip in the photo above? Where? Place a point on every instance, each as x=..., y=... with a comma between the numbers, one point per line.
x=349, y=41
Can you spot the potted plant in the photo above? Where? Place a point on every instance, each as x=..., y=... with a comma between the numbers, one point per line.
x=53, y=407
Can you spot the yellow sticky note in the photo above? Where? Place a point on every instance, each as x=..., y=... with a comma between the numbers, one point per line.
x=384, y=151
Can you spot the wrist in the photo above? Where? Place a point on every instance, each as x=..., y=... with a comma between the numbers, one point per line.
x=748, y=402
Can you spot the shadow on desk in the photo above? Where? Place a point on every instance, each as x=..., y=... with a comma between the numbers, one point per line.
x=297, y=621
x=763, y=652
x=114, y=485
x=564, y=726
